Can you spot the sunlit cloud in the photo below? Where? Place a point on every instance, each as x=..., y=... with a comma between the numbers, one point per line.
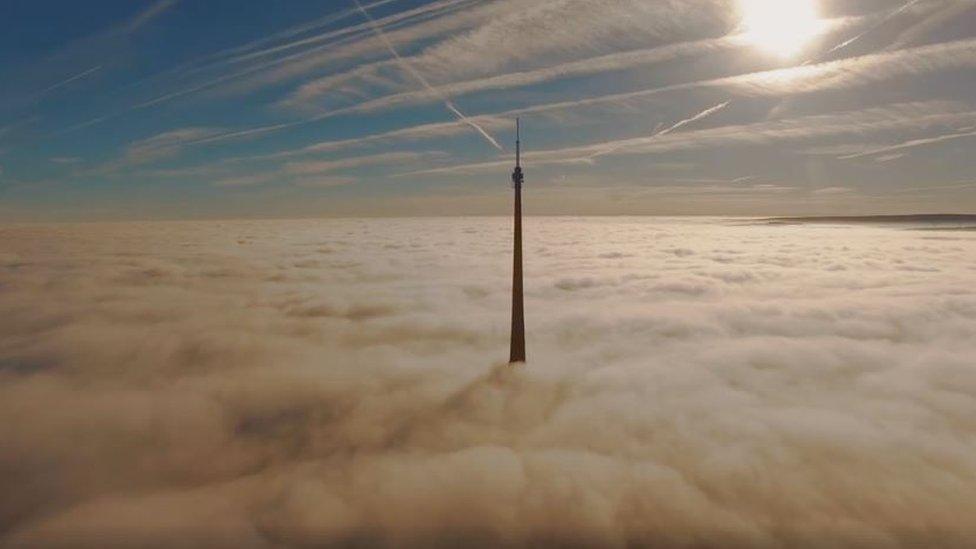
x=306, y=95
x=781, y=28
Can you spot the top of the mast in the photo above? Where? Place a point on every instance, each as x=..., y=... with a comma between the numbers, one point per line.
x=518, y=143
x=517, y=174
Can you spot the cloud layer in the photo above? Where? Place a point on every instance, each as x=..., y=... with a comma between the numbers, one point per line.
x=692, y=383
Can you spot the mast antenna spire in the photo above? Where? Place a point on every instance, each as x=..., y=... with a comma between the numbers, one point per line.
x=518, y=143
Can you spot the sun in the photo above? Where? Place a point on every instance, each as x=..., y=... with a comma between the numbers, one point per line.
x=781, y=27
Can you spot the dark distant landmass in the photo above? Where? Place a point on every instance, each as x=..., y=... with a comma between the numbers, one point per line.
x=944, y=221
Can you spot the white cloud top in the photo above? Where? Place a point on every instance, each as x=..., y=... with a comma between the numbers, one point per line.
x=691, y=383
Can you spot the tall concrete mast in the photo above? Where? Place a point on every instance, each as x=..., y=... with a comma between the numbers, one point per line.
x=518, y=310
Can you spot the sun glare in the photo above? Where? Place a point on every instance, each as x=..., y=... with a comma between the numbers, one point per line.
x=782, y=27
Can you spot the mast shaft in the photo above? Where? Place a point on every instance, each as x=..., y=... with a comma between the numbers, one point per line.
x=518, y=309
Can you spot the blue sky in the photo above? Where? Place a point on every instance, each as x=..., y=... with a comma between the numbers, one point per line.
x=195, y=109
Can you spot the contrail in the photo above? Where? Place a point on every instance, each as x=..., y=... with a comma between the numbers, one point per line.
x=70, y=80
x=874, y=27
x=910, y=144
x=420, y=78
x=676, y=126
x=840, y=46
x=704, y=114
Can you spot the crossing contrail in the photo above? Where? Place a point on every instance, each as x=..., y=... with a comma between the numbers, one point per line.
x=423, y=81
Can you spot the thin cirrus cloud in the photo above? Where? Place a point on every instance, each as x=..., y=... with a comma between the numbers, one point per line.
x=308, y=174
x=236, y=71
x=504, y=42
x=833, y=75
x=265, y=67
x=279, y=41
x=910, y=144
x=165, y=144
x=587, y=76
x=492, y=31
x=151, y=149
x=307, y=96
x=938, y=18
x=414, y=133
x=146, y=16
x=329, y=166
x=506, y=38
x=842, y=74
x=405, y=64
x=919, y=116
x=907, y=116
